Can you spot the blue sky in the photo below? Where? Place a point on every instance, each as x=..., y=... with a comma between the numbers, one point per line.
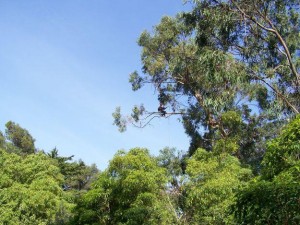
x=64, y=68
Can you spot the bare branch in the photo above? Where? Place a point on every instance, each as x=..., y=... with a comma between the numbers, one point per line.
x=153, y=115
x=144, y=125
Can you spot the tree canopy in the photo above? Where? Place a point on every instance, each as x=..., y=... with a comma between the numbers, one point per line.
x=35, y=187
x=223, y=57
x=273, y=198
x=130, y=191
x=20, y=139
x=229, y=69
x=30, y=191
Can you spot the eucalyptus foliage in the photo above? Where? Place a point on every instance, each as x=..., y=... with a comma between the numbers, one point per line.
x=223, y=56
x=263, y=35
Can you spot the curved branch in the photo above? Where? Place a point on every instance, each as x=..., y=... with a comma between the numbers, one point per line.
x=144, y=125
x=283, y=43
x=274, y=31
x=278, y=93
x=153, y=115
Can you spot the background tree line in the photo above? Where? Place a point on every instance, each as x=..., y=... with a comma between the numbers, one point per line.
x=209, y=187
x=38, y=187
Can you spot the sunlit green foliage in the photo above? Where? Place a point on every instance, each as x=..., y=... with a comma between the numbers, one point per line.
x=274, y=198
x=77, y=175
x=130, y=191
x=30, y=191
x=20, y=140
x=283, y=153
x=213, y=182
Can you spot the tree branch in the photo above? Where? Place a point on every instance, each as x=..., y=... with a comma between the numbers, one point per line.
x=278, y=93
x=274, y=31
x=283, y=43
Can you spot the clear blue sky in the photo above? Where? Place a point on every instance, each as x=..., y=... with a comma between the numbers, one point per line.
x=64, y=68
